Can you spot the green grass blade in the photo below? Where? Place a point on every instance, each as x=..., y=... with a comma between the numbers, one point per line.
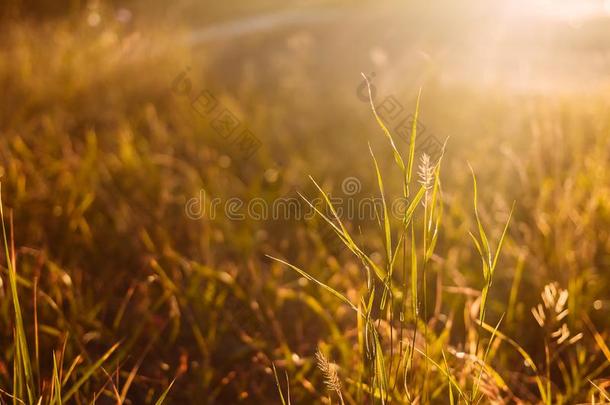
x=310, y=278
x=481, y=255
x=56, y=383
x=386, y=217
x=495, y=261
x=22, y=354
x=349, y=242
x=413, y=205
x=414, y=275
x=493, y=335
x=412, y=139
x=528, y=359
x=483, y=236
x=164, y=394
x=386, y=131
x=277, y=384
x=448, y=375
x=380, y=369
x=89, y=372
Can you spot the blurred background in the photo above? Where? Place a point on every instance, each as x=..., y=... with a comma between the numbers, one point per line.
x=111, y=122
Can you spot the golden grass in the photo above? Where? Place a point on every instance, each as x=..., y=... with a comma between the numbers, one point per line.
x=110, y=293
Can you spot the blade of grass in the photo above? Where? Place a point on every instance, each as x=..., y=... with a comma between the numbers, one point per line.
x=409, y=172
x=164, y=394
x=476, y=386
x=386, y=131
x=23, y=358
x=386, y=217
x=344, y=234
x=602, y=391
x=56, y=387
x=448, y=373
x=482, y=235
x=279, y=387
x=453, y=382
x=501, y=242
x=528, y=359
x=89, y=372
x=311, y=278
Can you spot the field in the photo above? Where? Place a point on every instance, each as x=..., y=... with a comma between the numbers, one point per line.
x=323, y=202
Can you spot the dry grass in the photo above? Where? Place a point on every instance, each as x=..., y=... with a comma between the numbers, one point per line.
x=110, y=293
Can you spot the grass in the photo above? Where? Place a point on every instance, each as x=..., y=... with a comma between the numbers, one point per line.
x=382, y=380
x=490, y=288
x=25, y=390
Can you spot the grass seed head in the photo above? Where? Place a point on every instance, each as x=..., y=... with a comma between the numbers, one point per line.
x=329, y=370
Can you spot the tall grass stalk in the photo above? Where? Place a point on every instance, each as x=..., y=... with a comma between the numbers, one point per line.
x=22, y=366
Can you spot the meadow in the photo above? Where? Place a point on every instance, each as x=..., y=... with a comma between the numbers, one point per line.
x=194, y=217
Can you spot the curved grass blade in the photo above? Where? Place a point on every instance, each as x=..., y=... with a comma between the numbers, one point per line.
x=528, y=359
x=482, y=235
x=386, y=217
x=386, y=131
x=501, y=242
x=344, y=234
x=310, y=278
x=493, y=334
x=448, y=375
